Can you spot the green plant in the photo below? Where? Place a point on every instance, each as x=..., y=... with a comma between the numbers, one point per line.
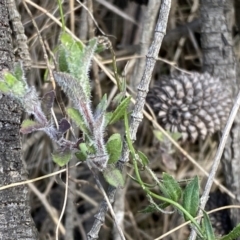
x=74, y=61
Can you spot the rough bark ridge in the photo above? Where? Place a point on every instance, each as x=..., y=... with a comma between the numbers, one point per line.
x=15, y=219
x=219, y=60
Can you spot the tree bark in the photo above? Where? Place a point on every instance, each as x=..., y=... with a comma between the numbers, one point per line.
x=219, y=60
x=15, y=220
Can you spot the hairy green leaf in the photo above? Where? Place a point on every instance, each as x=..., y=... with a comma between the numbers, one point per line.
x=120, y=110
x=28, y=123
x=75, y=115
x=10, y=79
x=62, y=60
x=85, y=150
x=75, y=59
x=208, y=227
x=70, y=54
x=108, y=117
x=62, y=158
x=14, y=82
x=16, y=87
x=159, y=135
x=114, y=177
x=191, y=198
x=4, y=87
x=172, y=187
x=83, y=153
x=29, y=126
x=114, y=148
x=101, y=107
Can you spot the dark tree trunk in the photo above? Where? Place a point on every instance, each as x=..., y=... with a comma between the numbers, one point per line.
x=219, y=60
x=15, y=219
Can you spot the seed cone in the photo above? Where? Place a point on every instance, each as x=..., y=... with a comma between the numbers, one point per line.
x=194, y=105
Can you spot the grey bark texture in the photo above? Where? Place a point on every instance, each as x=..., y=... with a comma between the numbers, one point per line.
x=219, y=60
x=15, y=219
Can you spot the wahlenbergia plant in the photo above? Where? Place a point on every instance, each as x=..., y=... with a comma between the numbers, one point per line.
x=74, y=61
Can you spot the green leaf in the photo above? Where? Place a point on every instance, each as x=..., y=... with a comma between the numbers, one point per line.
x=62, y=158
x=172, y=187
x=29, y=126
x=85, y=63
x=143, y=158
x=4, y=87
x=69, y=61
x=176, y=135
x=100, y=48
x=10, y=79
x=69, y=43
x=114, y=148
x=108, y=117
x=234, y=234
x=85, y=150
x=152, y=208
x=81, y=156
x=208, y=227
x=70, y=57
x=159, y=135
x=76, y=59
x=123, y=85
x=75, y=115
x=147, y=185
x=120, y=110
x=73, y=89
x=191, y=198
x=66, y=39
x=18, y=89
x=114, y=177
x=13, y=85
x=62, y=60
x=28, y=123
x=101, y=107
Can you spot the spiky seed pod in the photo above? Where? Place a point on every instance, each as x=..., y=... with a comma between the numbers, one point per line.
x=194, y=105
